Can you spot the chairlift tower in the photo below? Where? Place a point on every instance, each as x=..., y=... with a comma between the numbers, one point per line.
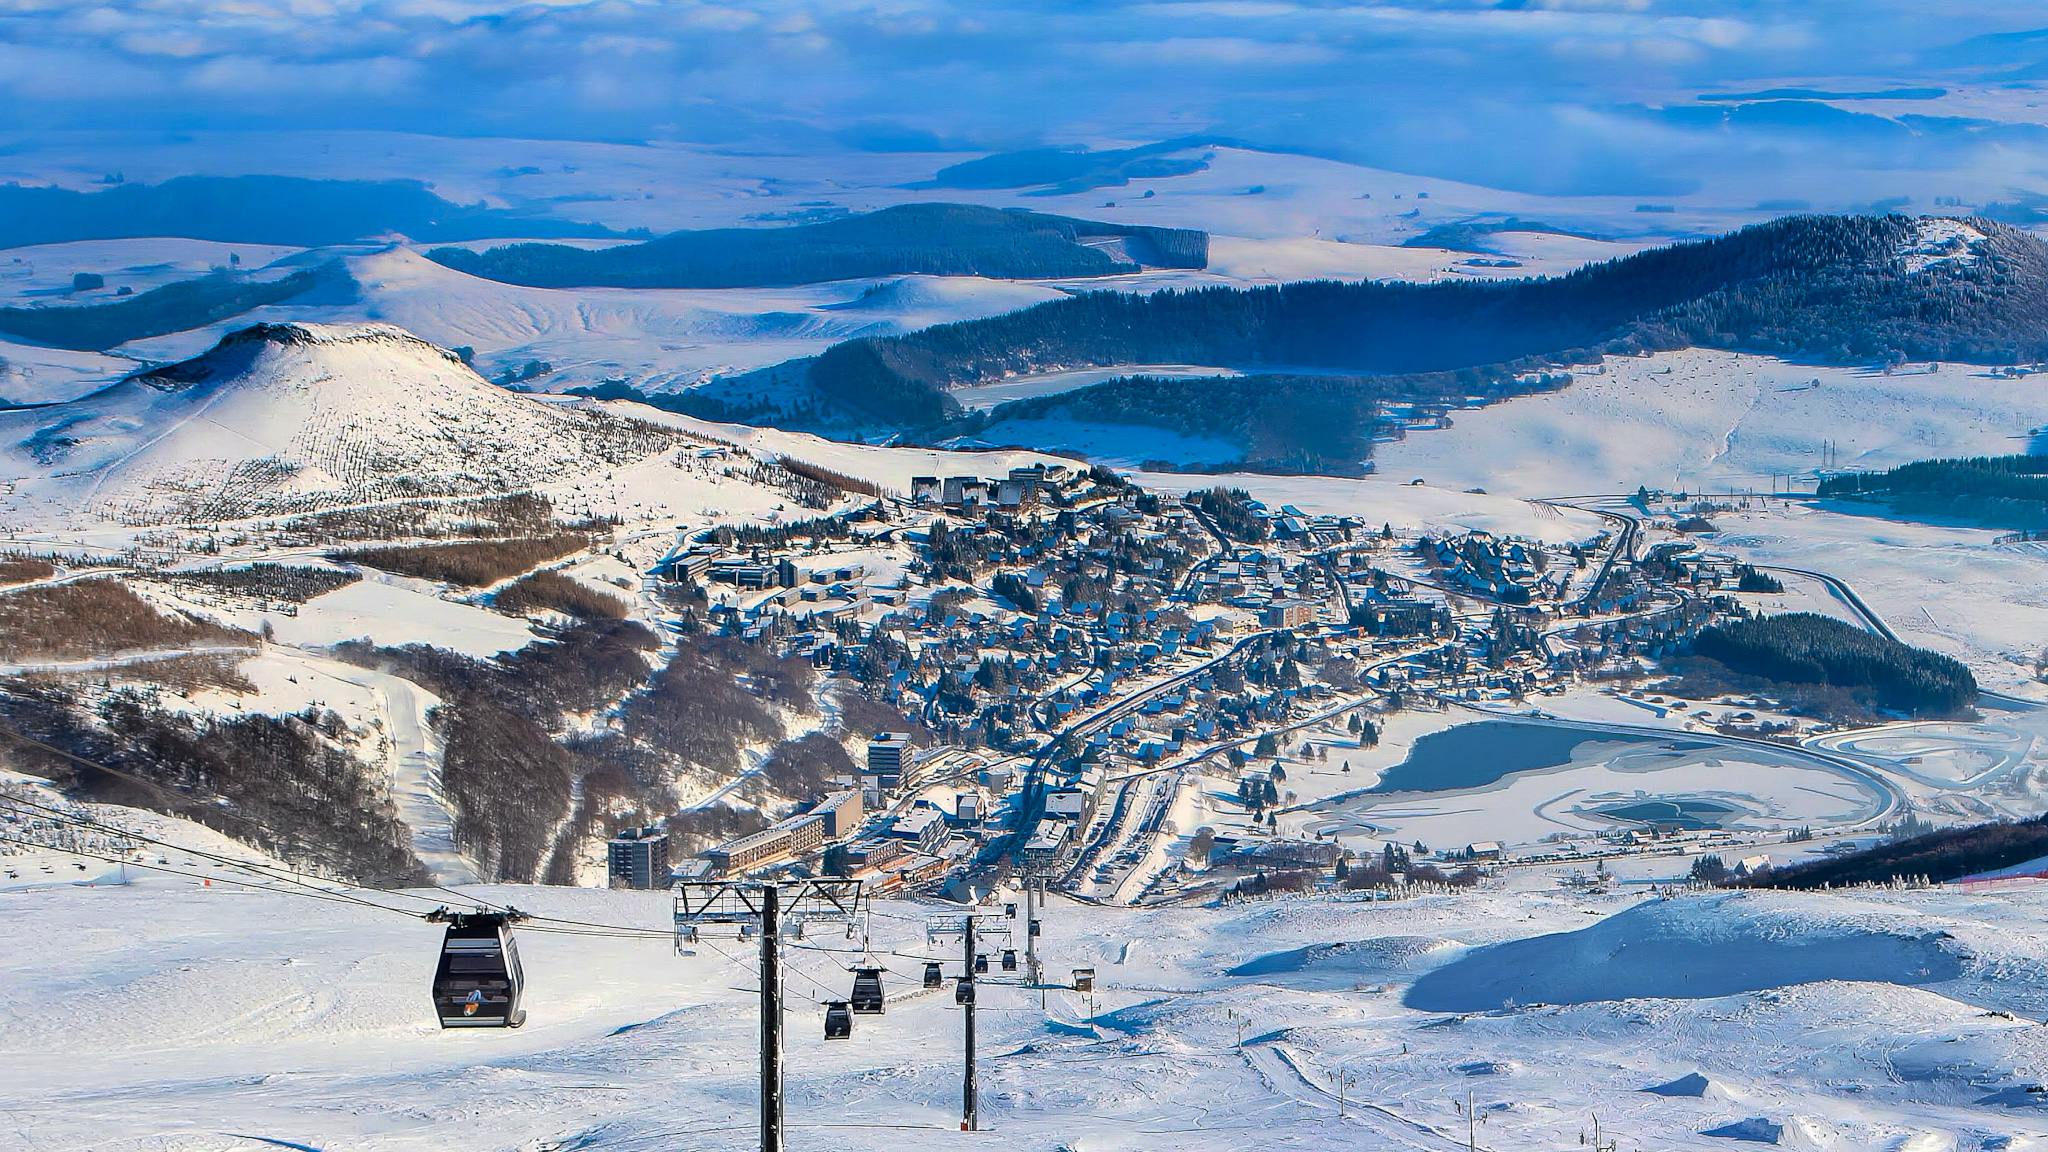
x=768, y=909
x=942, y=930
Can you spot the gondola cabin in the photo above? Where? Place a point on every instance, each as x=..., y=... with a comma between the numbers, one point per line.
x=478, y=983
x=867, y=992
x=1009, y=959
x=1084, y=979
x=838, y=1021
x=980, y=963
x=932, y=976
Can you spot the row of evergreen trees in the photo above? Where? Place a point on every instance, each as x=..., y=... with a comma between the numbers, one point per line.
x=1808, y=648
x=2008, y=491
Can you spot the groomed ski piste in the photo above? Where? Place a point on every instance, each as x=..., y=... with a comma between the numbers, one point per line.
x=183, y=1002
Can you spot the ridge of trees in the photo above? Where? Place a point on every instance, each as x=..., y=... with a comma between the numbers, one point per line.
x=1828, y=288
x=934, y=239
x=467, y=563
x=1948, y=854
x=1808, y=648
x=2008, y=491
x=176, y=307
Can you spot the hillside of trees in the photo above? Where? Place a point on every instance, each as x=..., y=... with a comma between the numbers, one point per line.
x=2003, y=491
x=177, y=307
x=1808, y=648
x=261, y=210
x=285, y=784
x=1323, y=424
x=1826, y=288
x=1949, y=854
x=938, y=239
x=1299, y=423
x=1230, y=508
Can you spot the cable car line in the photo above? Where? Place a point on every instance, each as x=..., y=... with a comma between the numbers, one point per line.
x=152, y=785
x=291, y=877
x=171, y=871
x=340, y=890
x=302, y=889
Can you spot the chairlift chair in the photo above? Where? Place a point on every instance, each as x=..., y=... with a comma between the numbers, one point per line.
x=478, y=982
x=1009, y=959
x=933, y=977
x=838, y=1021
x=867, y=992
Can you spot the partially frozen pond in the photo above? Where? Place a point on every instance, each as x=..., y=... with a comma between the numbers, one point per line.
x=1517, y=781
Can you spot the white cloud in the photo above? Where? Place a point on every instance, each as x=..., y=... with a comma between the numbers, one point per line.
x=1382, y=81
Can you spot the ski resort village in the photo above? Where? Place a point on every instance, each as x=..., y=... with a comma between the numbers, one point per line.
x=859, y=638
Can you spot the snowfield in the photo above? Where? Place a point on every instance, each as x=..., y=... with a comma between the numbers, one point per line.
x=215, y=1018
x=1703, y=420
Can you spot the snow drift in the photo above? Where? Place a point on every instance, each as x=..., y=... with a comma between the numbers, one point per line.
x=1690, y=949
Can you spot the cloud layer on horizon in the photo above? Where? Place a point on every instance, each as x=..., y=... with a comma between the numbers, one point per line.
x=1544, y=95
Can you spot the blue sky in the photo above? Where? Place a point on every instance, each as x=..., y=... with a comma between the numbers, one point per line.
x=1545, y=95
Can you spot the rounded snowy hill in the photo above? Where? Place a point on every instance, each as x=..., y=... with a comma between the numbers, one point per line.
x=284, y=418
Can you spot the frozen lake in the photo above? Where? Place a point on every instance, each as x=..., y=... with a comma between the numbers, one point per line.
x=1518, y=781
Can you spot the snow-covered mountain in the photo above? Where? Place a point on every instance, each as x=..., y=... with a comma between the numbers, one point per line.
x=293, y=417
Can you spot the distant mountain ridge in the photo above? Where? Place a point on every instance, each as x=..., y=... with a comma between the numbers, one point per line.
x=285, y=210
x=932, y=239
x=1838, y=289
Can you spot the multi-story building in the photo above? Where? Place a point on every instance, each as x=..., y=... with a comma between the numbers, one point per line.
x=841, y=811
x=922, y=828
x=638, y=858
x=1290, y=614
x=886, y=754
x=736, y=856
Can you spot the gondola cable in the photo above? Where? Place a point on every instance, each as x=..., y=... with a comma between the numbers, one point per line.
x=293, y=877
x=333, y=888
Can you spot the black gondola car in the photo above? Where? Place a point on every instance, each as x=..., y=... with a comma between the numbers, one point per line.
x=1035, y=929
x=478, y=983
x=1009, y=959
x=867, y=992
x=933, y=978
x=980, y=963
x=963, y=992
x=1010, y=910
x=838, y=1021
